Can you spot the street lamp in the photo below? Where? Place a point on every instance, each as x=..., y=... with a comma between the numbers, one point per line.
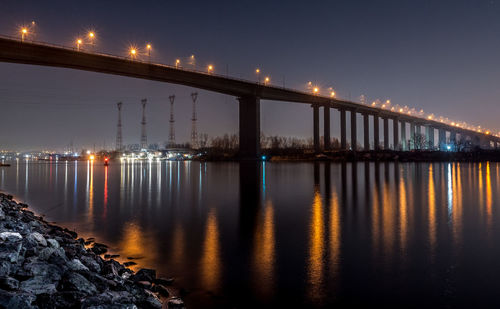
x=192, y=61
x=332, y=94
x=24, y=32
x=210, y=68
x=315, y=90
x=149, y=51
x=257, y=71
x=267, y=80
x=78, y=43
x=177, y=63
x=91, y=35
x=133, y=53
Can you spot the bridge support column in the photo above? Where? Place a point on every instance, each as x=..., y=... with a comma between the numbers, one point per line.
x=343, y=130
x=316, y=128
x=326, y=127
x=430, y=137
x=453, y=140
x=386, y=133
x=442, y=139
x=366, y=132
x=354, y=139
x=249, y=127
x=403, y=135
x=395, y=133
x=412, y=135
x=376, y=133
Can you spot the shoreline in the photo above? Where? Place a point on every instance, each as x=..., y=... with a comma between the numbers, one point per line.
x=43, y=265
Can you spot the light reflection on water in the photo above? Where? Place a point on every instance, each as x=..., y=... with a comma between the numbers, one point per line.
x=313, y=234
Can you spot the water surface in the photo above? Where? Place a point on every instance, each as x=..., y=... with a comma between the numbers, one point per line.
x=269, y=234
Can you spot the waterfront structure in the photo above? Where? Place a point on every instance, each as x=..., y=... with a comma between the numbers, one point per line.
x=249, y=94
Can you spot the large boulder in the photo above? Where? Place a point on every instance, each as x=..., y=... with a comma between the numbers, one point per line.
x=38, y=238
x=144, y=274
x=38, y=285
x=72, y=281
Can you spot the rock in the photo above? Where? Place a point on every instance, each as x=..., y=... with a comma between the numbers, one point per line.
x=64, y=299
x=175, y=302
x=164, y=281
x=76, y=265
x=39, y=268
x=151, y=301
x=72, y=281
x=21, y=300
x=110, y=269
x=8, y=283
x=90, y=263
x=145, y=284
x=53, y=243
x=127, y=264
x=99, y=249
x=38, y=238
x=144, y=274
x=158, y=288
x=10, y=235
x=10, y=249
x=2, y=214
x=38, y=285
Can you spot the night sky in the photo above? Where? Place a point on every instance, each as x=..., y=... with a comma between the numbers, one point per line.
x=441, y=56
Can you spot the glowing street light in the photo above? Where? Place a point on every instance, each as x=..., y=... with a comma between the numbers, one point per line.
x=177, y=63
x=92, y=36
x=78, y=43
x=24, y=32
x=210, y=68
x=133, y=53
x=267, y=80
x=315, y=90
x=149, y=47
x=332, y=94
x=257, y=71
x=192, y=61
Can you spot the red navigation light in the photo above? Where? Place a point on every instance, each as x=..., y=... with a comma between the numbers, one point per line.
x=106, y=159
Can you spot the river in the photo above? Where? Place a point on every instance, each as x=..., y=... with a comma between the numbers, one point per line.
x=271, y=234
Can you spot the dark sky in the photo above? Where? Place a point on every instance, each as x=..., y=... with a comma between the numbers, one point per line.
x=442, y=56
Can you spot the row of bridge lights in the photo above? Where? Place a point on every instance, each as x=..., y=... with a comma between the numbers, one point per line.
x=134, y=53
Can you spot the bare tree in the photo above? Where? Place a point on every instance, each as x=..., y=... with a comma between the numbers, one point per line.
x=419, y=141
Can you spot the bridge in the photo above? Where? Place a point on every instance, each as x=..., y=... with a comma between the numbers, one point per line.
x=249, y=95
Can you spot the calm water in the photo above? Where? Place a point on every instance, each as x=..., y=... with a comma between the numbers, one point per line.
x=270, y=234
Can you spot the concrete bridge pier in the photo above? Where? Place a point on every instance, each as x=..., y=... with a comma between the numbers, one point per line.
x=249, y=114
x=354, y=137
x=386, y=133
x=366, y=132
x=316, y=128
x=326, y=127
x=343, y=129
x=376, y=132
x=453, y=139
x=403, y=136
x=412, y=135
x=442, y=139
x=429, y=132
x=395, y=133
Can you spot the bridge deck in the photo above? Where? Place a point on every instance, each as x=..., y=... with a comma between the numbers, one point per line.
x=34, y=53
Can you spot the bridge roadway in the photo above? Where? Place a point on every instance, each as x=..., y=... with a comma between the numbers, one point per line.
x=249, y=95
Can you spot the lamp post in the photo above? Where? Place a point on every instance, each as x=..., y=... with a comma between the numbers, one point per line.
x=24, y=32
x=148, y=47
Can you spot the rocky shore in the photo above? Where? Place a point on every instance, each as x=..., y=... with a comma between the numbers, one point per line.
x=46, y=266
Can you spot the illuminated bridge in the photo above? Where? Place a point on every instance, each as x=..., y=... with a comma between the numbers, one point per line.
x=249, y=95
